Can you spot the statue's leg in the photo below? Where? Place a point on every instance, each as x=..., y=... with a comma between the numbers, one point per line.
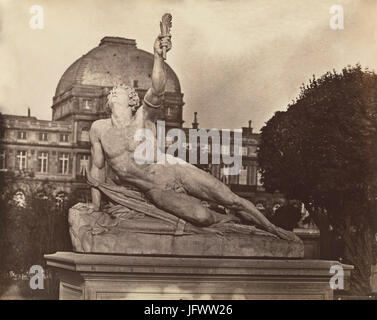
x=204, y=186
x=184, y=206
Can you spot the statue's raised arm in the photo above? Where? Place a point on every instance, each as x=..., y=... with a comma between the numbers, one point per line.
x=154, y=96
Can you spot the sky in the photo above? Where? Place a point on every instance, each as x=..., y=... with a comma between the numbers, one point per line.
x=237, y=60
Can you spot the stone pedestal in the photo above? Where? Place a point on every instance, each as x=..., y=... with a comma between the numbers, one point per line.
x=311, y=240
x=131, y=233
x=373, y=279
x=101, y=276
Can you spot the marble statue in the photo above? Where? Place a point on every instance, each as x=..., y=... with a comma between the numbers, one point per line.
x=154, y=198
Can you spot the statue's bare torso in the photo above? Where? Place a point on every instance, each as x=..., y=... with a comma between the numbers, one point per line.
x=119, y=147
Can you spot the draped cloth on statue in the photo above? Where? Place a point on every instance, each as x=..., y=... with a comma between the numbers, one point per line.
x=128, y=200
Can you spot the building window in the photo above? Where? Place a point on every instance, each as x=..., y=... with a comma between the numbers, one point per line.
x=64, y=137
x=43, y=162
x=21, y=135
x=244, y=151
x=87, y=104
x=84, y=164
x=42, y=136
x=2, y=133
x=252, y=175
x=243, y=176
x=252, y=151
x=259, y=179
x=216, y=171
x=3, y=163
x=21, y=159
x=136, y=83
x=64, y=109
x=85, y=134
x=170, y=112
x=64, y=163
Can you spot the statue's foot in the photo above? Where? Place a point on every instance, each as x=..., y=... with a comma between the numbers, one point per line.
x=287, y=235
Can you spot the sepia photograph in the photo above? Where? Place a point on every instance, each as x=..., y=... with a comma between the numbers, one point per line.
x=186, y=150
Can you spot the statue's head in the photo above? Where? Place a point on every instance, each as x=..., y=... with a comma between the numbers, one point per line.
x=123, y=96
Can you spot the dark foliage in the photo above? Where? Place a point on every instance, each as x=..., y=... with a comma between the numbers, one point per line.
x=287, y=217
x=31, y=225
x=323, y=152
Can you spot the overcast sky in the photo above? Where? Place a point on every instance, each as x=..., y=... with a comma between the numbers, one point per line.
x=236, y=60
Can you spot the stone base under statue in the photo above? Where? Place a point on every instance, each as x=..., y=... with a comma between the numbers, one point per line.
x=208, y=245
x=135, y=233
x=102, y=276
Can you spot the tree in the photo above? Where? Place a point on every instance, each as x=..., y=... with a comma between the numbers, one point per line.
x=32, y=222
x=323, y=152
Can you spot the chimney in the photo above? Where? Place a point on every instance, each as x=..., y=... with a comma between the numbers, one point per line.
x=28, y=112
x=250, y=127
x=195, y=124
x=248, y=130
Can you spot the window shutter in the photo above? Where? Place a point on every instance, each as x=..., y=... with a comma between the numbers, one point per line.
x=17, y=161
x=70, y=162
x=39, y=166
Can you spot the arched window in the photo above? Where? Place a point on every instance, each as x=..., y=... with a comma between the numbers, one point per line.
x=3, y=160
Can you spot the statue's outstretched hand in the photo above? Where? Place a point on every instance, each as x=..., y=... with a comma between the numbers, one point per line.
x=162, y=41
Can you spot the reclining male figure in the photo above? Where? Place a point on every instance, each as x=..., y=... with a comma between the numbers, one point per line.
x=113, y=140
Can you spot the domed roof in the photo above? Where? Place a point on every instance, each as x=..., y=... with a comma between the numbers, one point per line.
x=116, y=60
